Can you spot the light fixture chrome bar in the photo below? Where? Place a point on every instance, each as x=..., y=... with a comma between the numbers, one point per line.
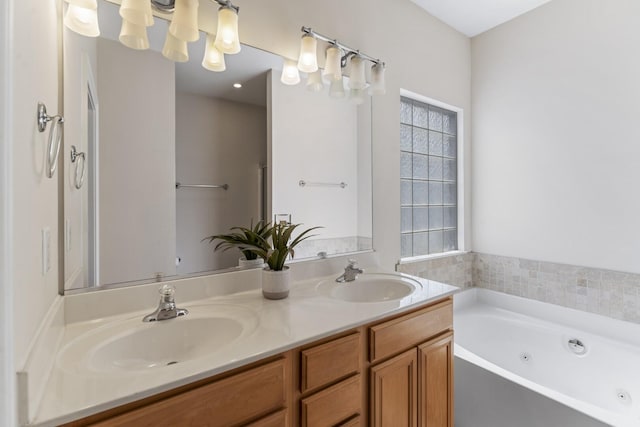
x=179, y=185
x=303, y=183
x=347, y=49
x=168, y=6
x=227, y=3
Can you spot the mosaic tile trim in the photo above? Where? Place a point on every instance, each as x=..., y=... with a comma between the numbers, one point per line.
x=454, y=270
x=610, y=293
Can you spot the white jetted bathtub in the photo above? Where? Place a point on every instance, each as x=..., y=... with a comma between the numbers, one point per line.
x=588, y=362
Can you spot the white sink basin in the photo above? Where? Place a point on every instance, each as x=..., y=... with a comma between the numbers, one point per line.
x=377, y=287
x=133, y=346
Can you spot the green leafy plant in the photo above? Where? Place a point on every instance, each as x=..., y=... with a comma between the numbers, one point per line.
x=245, y=239
x=279, y=246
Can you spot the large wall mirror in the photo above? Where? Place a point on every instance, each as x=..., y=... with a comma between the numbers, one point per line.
x=174, y=153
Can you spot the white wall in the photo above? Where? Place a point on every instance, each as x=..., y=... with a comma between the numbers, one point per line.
x=217, y=142
x=326, y=154
x=28, y=200
x=34, y=199
x=556, y=158
x=7, y=361
x=137, y=163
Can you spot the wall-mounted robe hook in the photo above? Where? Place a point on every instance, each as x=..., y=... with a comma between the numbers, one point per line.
x=53, y=148
x=80, y=166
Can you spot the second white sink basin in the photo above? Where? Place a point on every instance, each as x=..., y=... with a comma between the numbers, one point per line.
x=377, y=287
x=134, y=346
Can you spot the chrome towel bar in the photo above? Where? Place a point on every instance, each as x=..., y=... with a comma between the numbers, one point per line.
x=179, y=185
x=303, y=183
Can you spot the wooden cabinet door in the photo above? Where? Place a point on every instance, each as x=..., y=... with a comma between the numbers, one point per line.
x=435, y=383
x=394, y=391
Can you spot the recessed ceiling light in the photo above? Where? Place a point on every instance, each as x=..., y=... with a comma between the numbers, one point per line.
x=237, y=85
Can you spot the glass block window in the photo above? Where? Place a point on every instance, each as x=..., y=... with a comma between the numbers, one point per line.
x=428, y=179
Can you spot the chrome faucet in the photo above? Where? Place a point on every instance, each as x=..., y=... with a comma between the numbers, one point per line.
x=350, y=272
x=167, y=306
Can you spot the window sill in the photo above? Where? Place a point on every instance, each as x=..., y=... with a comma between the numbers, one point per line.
x=420, y=258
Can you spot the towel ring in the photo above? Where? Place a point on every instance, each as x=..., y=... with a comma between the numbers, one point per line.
x=53, y=148
x=75, y=155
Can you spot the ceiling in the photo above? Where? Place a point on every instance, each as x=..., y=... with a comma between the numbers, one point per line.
x=472, y=17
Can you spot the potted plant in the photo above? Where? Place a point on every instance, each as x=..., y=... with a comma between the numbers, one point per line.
x=276, y=277
x=243, y=239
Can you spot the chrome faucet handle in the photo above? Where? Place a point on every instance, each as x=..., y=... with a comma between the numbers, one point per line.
x=166, y=307
x=167, y=292
x=350, y=272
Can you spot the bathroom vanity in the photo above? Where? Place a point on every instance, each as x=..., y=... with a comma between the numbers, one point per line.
x=377, y=351
x=392, y=372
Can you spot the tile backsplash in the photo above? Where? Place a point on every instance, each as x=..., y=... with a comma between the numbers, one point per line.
x=610, y=293
x=454, y=270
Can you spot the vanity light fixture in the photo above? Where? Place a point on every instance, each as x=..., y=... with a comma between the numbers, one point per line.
x=137, y=12
x=133, y=35
x=227, y=37
x=377, y=79
x=184, y=24
x=175, y=49
x=290, y=74
x=82, y=17
x=333, y=68
x=336, y=89
x=213, y=59
x=338, y=56
x=357, y=79
x=314, y=81
x=308, y=60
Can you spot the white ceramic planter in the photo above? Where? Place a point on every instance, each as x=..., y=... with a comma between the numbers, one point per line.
x=276, y=284
x=250, y=263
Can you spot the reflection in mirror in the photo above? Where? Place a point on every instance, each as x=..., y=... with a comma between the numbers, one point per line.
x=239, y=154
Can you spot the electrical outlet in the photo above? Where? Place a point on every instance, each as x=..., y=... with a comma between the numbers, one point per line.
x=46, y=250
x=67, y=235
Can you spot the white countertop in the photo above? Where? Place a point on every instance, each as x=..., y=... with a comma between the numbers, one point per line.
x=303, y=317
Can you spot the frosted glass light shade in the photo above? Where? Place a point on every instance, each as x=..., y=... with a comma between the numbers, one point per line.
x=227, y=37
x=175, y=49
x=357, y=79
x=314, y=82
x=213, y=59
x=357, y=96
x=378, y=86
x=290, y=73
x=137, y=12
x=82, y=20
x=308, y=60
x=333, y=68
x=133, y=35
x=184, y=25
x=336, y=90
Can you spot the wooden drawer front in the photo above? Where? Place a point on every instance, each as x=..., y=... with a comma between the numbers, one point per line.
x=329, y=362
x=394, y=336
x=352, y=422
x=227, y=402
x=279, y=419
x=333, y=405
